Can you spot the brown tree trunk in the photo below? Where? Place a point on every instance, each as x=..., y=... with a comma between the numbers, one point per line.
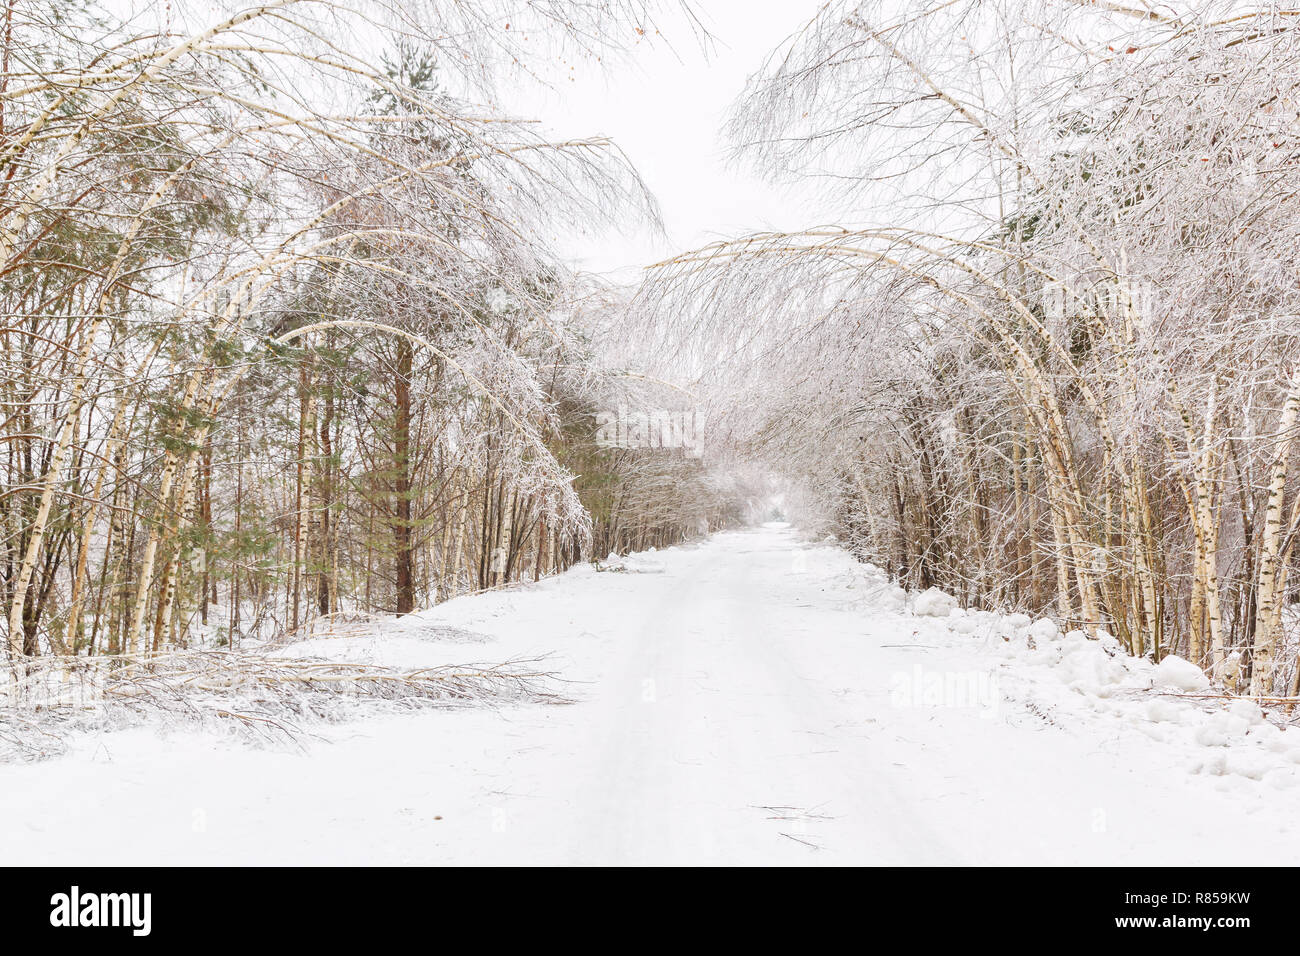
x=403, y=551
x=325, y=580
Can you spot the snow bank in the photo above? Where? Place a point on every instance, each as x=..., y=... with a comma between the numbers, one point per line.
x=636, y=563
x=933, y=602
x=1092, y=683
x=1044, y=629
x=1174, y=671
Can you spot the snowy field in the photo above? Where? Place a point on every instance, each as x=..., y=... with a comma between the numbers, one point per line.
x=751, y=699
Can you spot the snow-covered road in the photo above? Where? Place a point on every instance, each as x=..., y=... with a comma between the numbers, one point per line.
x=745, y=700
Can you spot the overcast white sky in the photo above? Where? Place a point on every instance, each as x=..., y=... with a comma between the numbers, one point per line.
x=665, y=108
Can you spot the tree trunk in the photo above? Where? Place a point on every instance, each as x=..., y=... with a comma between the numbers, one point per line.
x=403, y=547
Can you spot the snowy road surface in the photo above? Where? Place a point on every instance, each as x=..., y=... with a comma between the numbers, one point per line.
x=745, y=700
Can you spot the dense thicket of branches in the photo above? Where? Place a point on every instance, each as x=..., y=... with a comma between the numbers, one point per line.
x=1067, y=376
x=279, y=340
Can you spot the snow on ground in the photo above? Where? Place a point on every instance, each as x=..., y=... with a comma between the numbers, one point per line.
x=751, y=699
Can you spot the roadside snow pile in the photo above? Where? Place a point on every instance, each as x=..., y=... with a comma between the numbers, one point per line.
x=642, y=563
x=1215, y=736
x=1182, y=674
x=873, y=589
x=1044, y=629
x=1094, y=682
x=933, y=602
x=635, y=563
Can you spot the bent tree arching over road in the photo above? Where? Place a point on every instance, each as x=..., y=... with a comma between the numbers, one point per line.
x=310, y=424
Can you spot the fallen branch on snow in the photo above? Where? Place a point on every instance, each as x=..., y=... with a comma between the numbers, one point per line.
x=257, y=693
